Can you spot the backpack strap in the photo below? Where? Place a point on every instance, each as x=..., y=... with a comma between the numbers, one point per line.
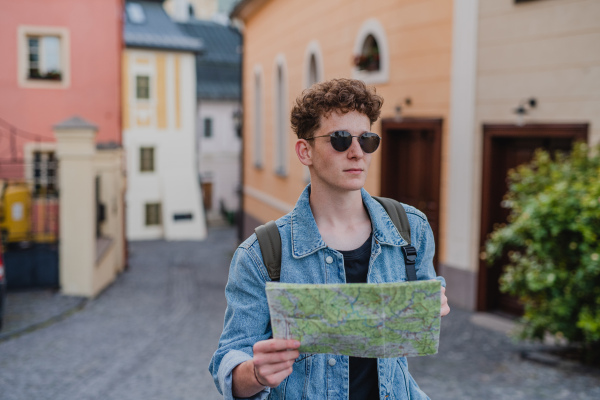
x=398, y=216
x=270, y=246
x=269, y=240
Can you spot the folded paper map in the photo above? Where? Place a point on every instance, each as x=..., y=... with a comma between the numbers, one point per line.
x=358, y=319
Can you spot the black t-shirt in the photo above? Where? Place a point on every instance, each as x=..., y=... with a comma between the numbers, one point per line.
x=363, y=371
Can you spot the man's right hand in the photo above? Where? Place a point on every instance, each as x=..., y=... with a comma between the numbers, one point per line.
x=272, y=362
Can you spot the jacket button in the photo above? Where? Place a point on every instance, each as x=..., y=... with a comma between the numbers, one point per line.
x=332, y=362
x=329, y=260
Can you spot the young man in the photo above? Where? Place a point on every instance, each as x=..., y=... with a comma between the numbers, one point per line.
x=336, y=233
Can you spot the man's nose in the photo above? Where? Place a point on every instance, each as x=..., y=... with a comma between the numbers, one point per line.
x=355, y=150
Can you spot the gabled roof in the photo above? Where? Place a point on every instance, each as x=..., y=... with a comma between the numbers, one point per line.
x=218, y=68
x=149, y=26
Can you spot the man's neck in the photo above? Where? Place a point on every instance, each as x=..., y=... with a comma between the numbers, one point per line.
x=341, y=218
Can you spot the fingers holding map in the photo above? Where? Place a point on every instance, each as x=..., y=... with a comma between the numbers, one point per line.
x=358, y=319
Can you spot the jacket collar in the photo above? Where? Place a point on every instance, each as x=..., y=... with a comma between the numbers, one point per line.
x=306, y=238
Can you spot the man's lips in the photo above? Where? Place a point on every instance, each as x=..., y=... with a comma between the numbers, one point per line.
x=354, y=170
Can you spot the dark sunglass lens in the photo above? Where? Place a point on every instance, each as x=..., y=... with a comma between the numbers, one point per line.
x=369, y=142
x=341, y=140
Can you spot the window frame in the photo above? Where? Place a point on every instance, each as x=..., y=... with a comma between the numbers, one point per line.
x=145, y=168
x=259, y=119
x=281, y=121
x=372, y=27
x=207, y=127
x=24, y=33
x=313, y=49
x=147, y=214
x=148, y=90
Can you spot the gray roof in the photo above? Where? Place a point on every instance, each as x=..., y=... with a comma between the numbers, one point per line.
x=156, y=30
x=218, y=68
x=75, y=122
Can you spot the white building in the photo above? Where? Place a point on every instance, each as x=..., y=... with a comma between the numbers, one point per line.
x=159, y=122
x=218, y=116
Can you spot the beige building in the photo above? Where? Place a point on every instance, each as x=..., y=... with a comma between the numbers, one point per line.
x=541, y=58
x=452, y=74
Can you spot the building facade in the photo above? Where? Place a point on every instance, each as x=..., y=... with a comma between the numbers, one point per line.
x=60, y=85
x=471, y=88
x=403, y=48
x=526, y=75
x=159, y=120
x=218, y=126
x=49, y=71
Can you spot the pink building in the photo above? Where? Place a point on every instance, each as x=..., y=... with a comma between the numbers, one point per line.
x=58, y=59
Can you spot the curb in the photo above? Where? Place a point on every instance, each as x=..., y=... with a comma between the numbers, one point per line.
x=43, y=324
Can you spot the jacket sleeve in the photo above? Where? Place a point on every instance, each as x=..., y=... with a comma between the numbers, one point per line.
x=425, y=251
x=246, y=322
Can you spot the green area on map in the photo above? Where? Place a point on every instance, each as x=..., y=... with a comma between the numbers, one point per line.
x=358, y=319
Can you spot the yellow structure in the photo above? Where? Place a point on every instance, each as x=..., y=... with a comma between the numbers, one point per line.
x=92, y=252
x=15, y=212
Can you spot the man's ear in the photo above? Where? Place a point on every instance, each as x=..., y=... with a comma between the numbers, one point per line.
x=304, y=152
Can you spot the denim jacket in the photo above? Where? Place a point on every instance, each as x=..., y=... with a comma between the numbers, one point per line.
x=307, y=259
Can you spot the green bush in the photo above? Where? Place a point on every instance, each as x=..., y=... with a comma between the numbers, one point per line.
x=553, y=242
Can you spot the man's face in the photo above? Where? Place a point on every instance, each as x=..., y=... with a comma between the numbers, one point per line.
x=340, y=171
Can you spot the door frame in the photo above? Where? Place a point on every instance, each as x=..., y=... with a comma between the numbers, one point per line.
x=575, y=131
x=387, y=154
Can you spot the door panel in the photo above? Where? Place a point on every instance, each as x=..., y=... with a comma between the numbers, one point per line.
x=411, y=166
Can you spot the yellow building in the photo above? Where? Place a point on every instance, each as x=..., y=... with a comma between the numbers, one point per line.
x=471, y=88
x=164, y=198
x=401, y=47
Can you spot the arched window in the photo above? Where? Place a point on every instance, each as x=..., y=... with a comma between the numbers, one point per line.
x=312, y=71
x=313, y=64
x=281, y=133
x=368, y=59
x=371, y=55
x=258, y=120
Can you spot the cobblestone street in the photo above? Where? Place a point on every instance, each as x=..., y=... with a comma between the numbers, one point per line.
x=152, y=333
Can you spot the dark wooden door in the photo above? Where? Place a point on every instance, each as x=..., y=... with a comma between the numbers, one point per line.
x=506, y=147
x=410, y=166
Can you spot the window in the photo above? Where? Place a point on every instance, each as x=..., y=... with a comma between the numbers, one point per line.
x=313, y=64
x=312, y=71
x=44, y=57
x=135, y=13
x=281, y=133
x=258, y=121
x=371, y=56
x=208, y=127
x=368, y=59
x=147, y=159
x=153, y=214
x=142, y=87
x=44, y=173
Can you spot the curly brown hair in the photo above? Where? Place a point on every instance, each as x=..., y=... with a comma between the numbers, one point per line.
x=339, y=95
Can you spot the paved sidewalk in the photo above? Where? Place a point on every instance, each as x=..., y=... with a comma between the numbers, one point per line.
x=28, y=310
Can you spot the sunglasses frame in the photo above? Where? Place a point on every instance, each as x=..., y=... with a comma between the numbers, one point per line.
x=351, y=136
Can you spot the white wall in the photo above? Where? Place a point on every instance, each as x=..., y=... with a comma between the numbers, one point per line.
x=219, y=155
x=173, y=183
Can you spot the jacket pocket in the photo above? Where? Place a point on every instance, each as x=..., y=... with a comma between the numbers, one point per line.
x=295, y=386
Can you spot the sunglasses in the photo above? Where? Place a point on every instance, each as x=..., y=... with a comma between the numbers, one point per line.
x=342, y=140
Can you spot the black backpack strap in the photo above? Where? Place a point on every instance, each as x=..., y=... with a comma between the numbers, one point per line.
x=398, y=216
x=270, y=246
